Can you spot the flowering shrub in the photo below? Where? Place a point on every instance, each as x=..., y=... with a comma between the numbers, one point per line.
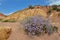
x=37, y=25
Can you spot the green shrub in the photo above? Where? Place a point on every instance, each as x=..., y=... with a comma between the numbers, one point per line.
x=9, y=21
x=31, y=7
x=12, y=21
x=54, y=7
x=52, y=29
x=5, y=21
x=55, y=28
x=58, y=10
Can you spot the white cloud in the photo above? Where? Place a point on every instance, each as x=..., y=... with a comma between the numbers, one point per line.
x=54, y=2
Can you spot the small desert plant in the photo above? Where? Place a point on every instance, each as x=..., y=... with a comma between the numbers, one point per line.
x=0, y=19
x=49, y=12
x=31, y=7
x=58, y=10
x=38, y=25
x=12, y=21
x=54, y=7
x=59, y=14
x=9, y=21
x=5, y=21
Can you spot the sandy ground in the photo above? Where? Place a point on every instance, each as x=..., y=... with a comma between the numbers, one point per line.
x=18, y=33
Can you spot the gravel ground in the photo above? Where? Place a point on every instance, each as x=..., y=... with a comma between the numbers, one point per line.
x=18, y=33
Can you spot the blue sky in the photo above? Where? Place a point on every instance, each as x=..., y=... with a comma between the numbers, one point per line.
x=10, y=6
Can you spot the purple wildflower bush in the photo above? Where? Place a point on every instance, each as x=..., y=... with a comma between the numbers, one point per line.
x=37, y=25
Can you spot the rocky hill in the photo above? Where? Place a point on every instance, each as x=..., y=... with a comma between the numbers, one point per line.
x=2, y=16
x=52, y=12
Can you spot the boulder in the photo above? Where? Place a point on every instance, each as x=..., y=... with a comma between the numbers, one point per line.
x=5, y=33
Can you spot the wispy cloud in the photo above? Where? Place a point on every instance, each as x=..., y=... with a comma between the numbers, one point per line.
x=54, y=2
